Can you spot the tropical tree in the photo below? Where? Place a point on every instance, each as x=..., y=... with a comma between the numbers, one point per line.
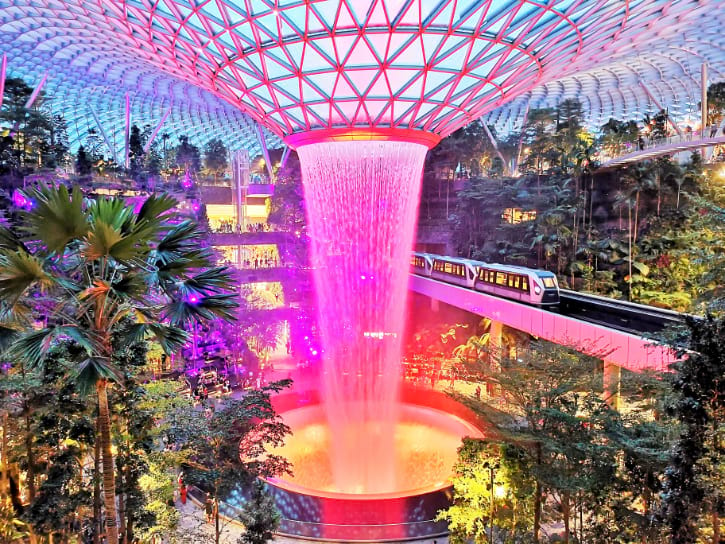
x=693, y=487
x=215, y=157
x=715, y=102
x=187, y=156
x=104, y=270
x=259, y=516
x=232, y=447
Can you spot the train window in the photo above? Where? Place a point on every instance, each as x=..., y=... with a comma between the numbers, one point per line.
x=549, y=282
x=525, y=284
x=501, y=278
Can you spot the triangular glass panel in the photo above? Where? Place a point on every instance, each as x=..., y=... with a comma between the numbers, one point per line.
x=412, y=55
x=326, y=12
x=361, y=79
x=375, y=108
x=380, y=88
x=362, y=56
x=348, y=108
x=313, y=60
x=345, y=18
x=342, y=46
x=378, y=17
x=343, y=89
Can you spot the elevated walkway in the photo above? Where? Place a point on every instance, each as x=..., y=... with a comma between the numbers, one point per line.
x=250, y=238
x=669, y=146
x=279, y=273
x=630, y=351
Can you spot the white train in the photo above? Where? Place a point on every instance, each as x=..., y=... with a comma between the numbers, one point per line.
x=537, y=287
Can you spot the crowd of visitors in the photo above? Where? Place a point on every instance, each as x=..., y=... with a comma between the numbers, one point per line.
x=229, y=226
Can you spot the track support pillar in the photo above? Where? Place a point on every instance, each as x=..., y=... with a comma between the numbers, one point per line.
x=612, y=386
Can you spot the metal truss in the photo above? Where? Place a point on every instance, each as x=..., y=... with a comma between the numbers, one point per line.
x=301, y=65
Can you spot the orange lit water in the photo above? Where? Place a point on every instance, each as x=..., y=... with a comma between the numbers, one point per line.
x=425, y=444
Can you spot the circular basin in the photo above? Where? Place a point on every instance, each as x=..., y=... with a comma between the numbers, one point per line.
x=426, y=438
x=425, y=446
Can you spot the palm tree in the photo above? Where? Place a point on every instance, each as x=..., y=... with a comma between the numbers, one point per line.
x=639, y=178
x=106, y=273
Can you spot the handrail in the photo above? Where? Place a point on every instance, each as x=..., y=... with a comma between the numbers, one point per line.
x=645, y=144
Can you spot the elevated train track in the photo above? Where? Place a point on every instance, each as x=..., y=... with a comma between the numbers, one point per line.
x=619, y=332
x=617, y=314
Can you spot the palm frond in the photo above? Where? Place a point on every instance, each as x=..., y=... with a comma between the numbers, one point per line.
x=153, y=213
x=9, y=240
x=181, y=241
x=114, y=212
x=57, y=217
x=18, y=272
x=7, y=336
x=170, y=338
x=182, y=312
x=172, y=268
x=212, y=281
x=99, y=241
x=33, y=346
x=91, y=370
x=130, y=286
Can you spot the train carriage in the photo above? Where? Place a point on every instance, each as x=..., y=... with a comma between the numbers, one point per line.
x=530, y=286
x=421, y=264
x=537, y=287
x=451, y=270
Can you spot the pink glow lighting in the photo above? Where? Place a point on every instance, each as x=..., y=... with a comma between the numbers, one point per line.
x=362, y=201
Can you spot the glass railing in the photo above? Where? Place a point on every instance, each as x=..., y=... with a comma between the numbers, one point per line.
x=644, y=144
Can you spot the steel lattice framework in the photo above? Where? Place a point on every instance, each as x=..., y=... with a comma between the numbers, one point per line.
x=300, y=65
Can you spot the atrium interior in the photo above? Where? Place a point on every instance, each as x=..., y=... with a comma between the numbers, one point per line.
x=362, y=271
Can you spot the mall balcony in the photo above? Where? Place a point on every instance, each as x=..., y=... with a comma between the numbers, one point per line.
x=249, y=236
x=251, y=274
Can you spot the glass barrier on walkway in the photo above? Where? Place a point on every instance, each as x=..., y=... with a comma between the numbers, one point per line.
x=610, y=153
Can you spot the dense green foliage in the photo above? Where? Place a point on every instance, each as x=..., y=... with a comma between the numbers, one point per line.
x=563, y=457
x=105, y=277
x=694, y=484
x=30, y=138
x=644, y=232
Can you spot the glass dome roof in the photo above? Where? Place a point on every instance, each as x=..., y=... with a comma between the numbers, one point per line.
x=300, y=65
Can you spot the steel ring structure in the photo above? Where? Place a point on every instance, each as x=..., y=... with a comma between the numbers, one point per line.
x=298, y=65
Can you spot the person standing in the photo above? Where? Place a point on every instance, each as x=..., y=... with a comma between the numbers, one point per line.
x=209, y=508
x=182, y=492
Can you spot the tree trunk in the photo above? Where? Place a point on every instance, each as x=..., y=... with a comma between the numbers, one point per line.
x=217, y=526
x=659, y=193
x=537, y=511
x=5, y=483
x=129, y=528
x=566, y=512
x=109, y=476
x=30, y=455
x=591, y=205
x=629, y=222
x=636, y=220
x=121, y=507
x=537, y=499
x=581, y=518
x=715, y=526
x=97, y=529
